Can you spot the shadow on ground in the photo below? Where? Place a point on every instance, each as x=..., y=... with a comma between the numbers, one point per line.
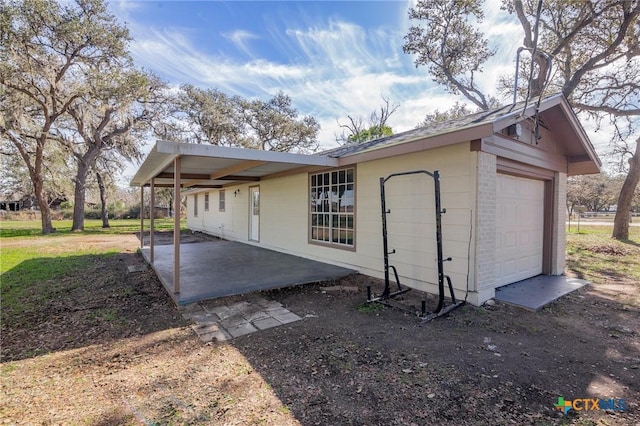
x=94, y=299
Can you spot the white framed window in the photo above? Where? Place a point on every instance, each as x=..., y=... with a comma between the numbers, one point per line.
x=195, y=205
x=221, y=200
x=332, y=207
x=206, y=202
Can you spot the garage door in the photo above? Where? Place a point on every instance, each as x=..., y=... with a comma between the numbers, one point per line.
x=519, y=228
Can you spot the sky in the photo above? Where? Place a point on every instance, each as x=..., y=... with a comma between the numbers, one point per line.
x=334, y=58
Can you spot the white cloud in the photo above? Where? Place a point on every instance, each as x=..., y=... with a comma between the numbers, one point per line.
x=333, y=68
x=337, y=69
x=239, y=38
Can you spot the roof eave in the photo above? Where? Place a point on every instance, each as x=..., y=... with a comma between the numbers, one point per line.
x=465, y=134
x=164, y=153
x=580, y=133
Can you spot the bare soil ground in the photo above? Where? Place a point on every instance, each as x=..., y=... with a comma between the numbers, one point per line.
x=115, y=350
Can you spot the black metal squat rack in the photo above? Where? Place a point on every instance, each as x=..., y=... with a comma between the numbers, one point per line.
x=386, y=295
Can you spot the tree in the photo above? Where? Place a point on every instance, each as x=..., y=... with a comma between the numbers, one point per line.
x=373, y=132
x=103, y=201
x=626, y=197
x=274, y=125
x=204, y=116
x=15, y=178
x=46, y=49
x=595, y=192
x=211, y=116
x=458, y=110
x=358, y=131
x=594, y=45
x=113, y=115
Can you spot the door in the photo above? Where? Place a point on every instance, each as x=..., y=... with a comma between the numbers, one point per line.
x=254, y=213
x=519, y=228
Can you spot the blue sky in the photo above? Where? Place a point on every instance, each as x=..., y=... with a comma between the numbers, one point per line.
x=332, y=57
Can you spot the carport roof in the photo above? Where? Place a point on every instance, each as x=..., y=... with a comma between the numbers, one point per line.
x=210, y=166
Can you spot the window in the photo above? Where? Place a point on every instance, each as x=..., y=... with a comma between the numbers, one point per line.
x=332, y=207
x=206, y=202
x=221, y=200
x=195, y=205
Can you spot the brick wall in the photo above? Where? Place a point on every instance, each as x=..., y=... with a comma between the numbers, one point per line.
x=559, y=232
x=485, y=225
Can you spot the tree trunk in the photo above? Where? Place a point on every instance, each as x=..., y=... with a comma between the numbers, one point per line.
x=623, y=212
x=84, y=164
x=43, y=204
x=35, y=174
x=37, y=179
x=79, y=196
x=103, y=202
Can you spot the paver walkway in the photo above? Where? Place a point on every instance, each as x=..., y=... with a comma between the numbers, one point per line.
x=221, y=322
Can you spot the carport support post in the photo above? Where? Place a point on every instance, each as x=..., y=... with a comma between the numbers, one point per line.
x=152, y=214
x=176, y=225
x=142, y=216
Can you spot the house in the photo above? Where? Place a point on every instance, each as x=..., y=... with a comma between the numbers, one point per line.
x=503, y=185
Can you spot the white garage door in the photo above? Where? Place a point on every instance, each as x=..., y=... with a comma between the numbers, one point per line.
x=519, y=228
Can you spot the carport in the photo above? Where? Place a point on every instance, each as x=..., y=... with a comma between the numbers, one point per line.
x=216, y=269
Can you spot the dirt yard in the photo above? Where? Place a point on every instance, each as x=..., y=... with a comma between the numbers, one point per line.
x=110, y=348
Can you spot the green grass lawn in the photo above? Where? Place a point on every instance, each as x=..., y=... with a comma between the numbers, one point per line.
x=39, y=265
x=596, y=257
x=26, y=228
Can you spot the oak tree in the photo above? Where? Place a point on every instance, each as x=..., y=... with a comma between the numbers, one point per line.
x=47, y=47
x=110, y=119
x=210, y=116
x=593, y=46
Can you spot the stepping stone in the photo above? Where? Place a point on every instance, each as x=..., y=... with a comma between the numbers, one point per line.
x=137, y=268
x=287, y=318
x=241, y=329
x=220, y=335
x=263, y=324
x=256, y=316
x=221, y=312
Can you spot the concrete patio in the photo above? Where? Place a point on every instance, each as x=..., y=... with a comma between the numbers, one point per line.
x=537, y=292
x=213, y=269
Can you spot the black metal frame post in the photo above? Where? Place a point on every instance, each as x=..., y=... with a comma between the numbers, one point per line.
x=385, y=250
x=441, y=309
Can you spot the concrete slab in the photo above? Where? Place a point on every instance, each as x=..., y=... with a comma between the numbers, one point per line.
x=537, y=292
x=214, y=269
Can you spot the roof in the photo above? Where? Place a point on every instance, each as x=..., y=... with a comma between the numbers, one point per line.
x=483, y=124
x=443, y=127
x=210, y=166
